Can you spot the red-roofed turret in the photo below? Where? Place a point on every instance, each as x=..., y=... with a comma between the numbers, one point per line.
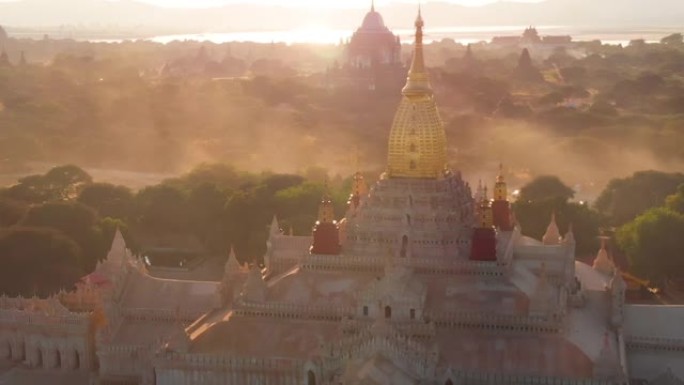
x=484, y=235
x=326, y=232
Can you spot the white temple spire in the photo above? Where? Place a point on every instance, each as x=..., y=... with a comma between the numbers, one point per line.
x=232, y=264
x=602, y=262
x=552, y=235
x=275, y=227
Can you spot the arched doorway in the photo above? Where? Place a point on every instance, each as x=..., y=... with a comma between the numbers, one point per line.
x=77, y=360
x=58, y=359
x=388, y=312
x=311, y=378
x=449, y=382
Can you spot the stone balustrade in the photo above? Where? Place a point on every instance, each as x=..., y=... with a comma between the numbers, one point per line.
x=654, y=343
x=293, y=311
x=24, y=318
x=499, y=322
x=375, y=263
x=472, y=378
x=226, y=361
x=184, y=314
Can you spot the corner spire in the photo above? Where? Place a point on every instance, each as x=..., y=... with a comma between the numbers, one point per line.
x=552, y=235
x=418, y=82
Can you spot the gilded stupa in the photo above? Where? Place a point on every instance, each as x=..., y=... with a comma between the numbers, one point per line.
x=417, y=143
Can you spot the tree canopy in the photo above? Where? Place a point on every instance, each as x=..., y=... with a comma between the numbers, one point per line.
x=59, y=183
x=547, y=195
x=654, y=243
x=107, y=199
x=675, y=202
x=76, y=221
x=37, y=261
x=625, y=198
x=546, y=187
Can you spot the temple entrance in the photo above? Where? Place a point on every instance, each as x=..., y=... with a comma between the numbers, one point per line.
x=388, y=312
x=449, y=382
x=58, y=359
x=311, y=378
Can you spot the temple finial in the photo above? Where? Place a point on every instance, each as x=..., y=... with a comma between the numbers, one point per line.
x=372, y=5
x=418, y=83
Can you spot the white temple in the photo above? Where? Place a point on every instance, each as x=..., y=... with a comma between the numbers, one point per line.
x=419, y=283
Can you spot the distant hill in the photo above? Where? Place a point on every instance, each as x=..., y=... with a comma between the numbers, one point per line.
x=129, y=13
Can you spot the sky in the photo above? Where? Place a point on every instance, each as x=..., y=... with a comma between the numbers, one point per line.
x=312, y=3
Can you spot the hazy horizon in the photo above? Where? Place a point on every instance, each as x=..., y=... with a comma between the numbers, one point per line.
x=165, y=16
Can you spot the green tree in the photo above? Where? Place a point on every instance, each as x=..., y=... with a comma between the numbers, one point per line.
x=675, y=202
x=625, y=198
x=107, y=199
x=60, y=183
x=534, y=218
x=206, y=205
x=544, y=188
x=654, y=243
x=245, y=228
x=76, y=221
x=546, y=195
x=37, y=261
x=162, y=209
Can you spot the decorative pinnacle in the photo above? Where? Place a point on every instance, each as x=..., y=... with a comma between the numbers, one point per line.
x=372, y=5
x=418, y=83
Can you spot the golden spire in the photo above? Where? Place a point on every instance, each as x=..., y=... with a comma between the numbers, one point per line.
x=417, y=143
x=418, y=82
